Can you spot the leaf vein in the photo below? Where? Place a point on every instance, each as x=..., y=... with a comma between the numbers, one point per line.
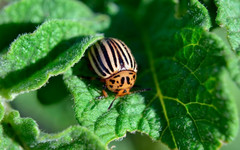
x=156, y=82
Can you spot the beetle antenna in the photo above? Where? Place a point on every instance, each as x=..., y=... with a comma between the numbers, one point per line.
x=110, y=106
x=142, y=90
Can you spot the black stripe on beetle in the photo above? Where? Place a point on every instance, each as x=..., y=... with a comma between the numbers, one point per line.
x=95, y=64
x=106, y=56
x=128, y=53
x=96, y=51
x=113, y=52
x=121, y=50
x=118, y=55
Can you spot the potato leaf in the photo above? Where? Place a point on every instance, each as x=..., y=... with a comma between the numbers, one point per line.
x=228, y=15
x=23, y=133
x=190, y=105
x=24, y=15
x=33, y=58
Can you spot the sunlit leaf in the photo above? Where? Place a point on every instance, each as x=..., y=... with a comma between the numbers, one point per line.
x=53, y=48
x=190, y=105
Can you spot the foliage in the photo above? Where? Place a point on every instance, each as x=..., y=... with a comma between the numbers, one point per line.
x=193, y=72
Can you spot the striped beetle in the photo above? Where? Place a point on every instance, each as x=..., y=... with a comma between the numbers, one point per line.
x=113, y=61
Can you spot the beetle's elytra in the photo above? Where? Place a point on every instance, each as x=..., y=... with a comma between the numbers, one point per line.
x=113, y=61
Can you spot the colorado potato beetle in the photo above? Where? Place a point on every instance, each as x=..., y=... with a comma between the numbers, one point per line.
x=113, y=61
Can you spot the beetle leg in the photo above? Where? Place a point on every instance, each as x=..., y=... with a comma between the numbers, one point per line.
x=103, y=92
x=110, y=106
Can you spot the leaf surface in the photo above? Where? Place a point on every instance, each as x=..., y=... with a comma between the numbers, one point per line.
x=190, y=106
x=53, y=48
x=24, y=16
x=228, y=15
x=21, y=133
x=28, y=11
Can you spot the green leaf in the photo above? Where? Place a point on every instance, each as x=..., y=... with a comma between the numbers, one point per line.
x=24, y=15
x=72, y=138
x=7, y=142
x=228, y=15
x=127, y=114
x=33, y=58
x=190, y=70
x=39, y=10
x=28, y=11
x=23, y=132
x=190, y=105
x=228, y=19
x=2, y=110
